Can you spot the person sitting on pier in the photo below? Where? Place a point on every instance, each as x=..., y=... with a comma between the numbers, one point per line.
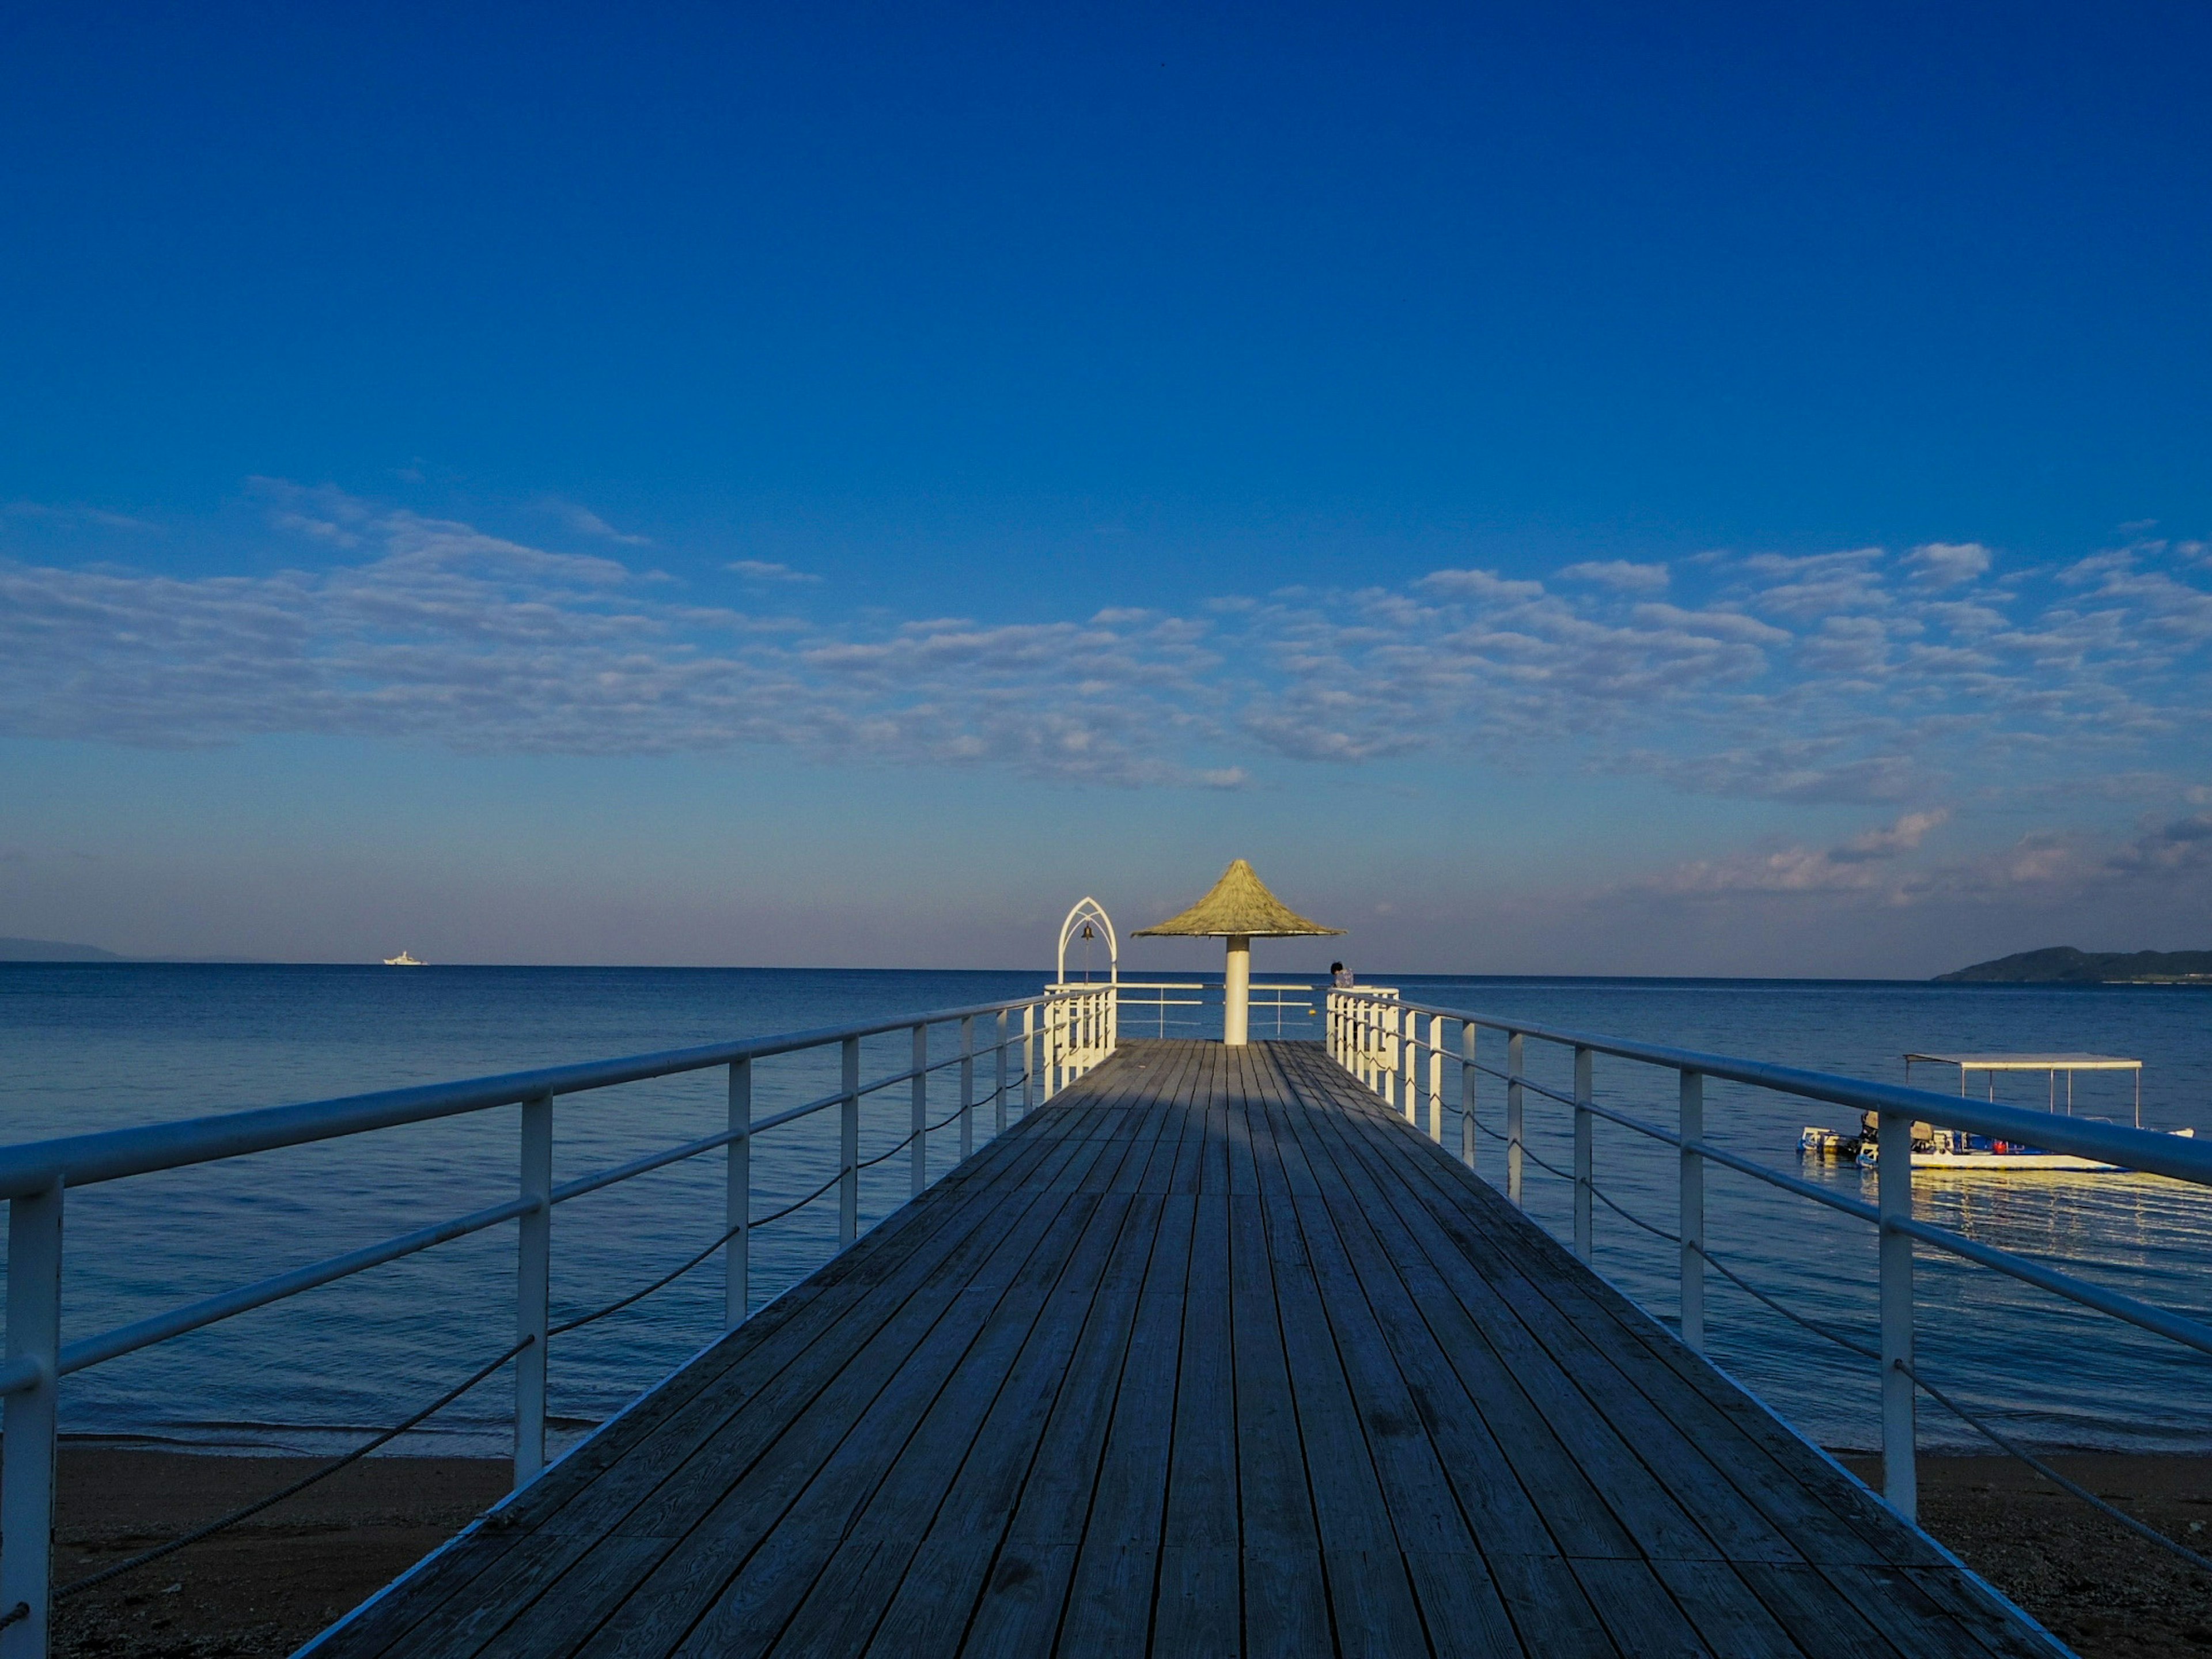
x=1340, y=976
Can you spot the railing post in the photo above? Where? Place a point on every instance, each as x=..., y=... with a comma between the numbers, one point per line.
x=1394, y=1048
x=1691, y=1212
x=1409, y=1066
x=1514, y=1115
x=1437, y=1078
x=1028, y=1060
x=1900, y=1480
x=1467, y=1076
x=27, y=1489
x=848, y=1146
x=967, y=1087
x=1045, y=1049
x=738, y=1199
x=918, y=1153
x=998, y=1092
x=533, y=1264
x=1584, y=1122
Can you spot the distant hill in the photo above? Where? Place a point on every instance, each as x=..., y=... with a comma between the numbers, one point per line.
x=48, y=949
x=2062, y=964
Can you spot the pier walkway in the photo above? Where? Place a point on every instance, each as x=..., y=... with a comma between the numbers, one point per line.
x=1211, y=1355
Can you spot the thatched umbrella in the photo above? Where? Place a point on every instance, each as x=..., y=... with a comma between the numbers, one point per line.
x=1239, y=909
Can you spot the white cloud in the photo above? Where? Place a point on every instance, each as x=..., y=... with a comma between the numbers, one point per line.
x=1834, y=678
x=765, y=570
x=1946, y=564
x=74, y=517
x=1902, y=836
x=1619, y=573
x=585, y=522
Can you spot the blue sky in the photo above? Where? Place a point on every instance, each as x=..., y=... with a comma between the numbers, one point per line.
x=1565, y=489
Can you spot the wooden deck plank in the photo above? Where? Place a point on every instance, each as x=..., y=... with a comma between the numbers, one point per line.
x=1285, y=1587
x=843, y=1606
x=1769, y=1465
x=1110, y=1610
x=1730, y=1477
x=1370, y=1594
x=586, y=1494
x=730, y=1500
x=1212, y=1354
x=1643, y=1432
x=894, y=1466
x=672, y=1493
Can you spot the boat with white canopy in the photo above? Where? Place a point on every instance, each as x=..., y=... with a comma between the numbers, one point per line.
x=1956, y=1149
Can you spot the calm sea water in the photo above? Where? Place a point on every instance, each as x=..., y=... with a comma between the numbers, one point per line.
x=101, y=1046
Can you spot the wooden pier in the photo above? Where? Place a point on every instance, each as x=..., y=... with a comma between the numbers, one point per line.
x=1211, y=1355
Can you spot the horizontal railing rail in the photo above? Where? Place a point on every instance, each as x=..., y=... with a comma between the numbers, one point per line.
x=1062, y=1033
x=1279, y=999
x=1376, y=1037
x=79, y=1160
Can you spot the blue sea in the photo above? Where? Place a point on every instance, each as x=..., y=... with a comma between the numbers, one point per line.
x=104, y=1045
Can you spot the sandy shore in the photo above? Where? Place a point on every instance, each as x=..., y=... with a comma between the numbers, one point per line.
x=270, y=1583
x=2094, y=1584
x=264, y=1586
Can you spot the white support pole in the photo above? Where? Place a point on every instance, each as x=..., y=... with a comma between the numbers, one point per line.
x=967, y=1087
x=1410, y=1066
x=1236, y=992
x=998, y=1092
x=533, y=1266
x=1691, y=1126
x=1467, y=1076
x=1437, y=1078
x=1901, y=1477
x=1585, y=1120
x=1055, y=1020
x=1028, y=1060
x=848, y=1146
x=27, y=1489
x=1514, y=1115
x=737, y=1200
x=918, y=1153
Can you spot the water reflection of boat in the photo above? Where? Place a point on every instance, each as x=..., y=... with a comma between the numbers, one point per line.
x=1957, y=1149
x=403, y=960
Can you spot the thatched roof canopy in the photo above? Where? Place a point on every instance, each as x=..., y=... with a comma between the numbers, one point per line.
x=1239, y=904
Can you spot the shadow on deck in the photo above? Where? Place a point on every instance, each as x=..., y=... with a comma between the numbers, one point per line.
x=1211, y=1355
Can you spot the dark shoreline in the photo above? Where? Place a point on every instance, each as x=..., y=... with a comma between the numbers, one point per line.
x=270, y=1583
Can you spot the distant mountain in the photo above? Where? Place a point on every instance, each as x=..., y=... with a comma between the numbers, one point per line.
x=48, y=949
x=2062, y=964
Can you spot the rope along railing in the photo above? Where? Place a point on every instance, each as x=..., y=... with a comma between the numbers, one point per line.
x=1377, y=1039
x=1867, y=1350
x=1059, y=1036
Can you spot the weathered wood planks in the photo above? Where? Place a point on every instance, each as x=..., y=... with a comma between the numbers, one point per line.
x=1211, y=1355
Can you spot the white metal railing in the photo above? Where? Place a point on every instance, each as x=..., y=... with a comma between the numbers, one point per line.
x=1376, y=1037
x=1282, y=999
x=1054, y=1038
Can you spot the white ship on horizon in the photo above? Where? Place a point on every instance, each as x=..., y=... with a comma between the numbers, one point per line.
x=403, y=960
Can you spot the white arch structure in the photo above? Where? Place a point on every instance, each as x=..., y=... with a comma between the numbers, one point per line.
x=1088, y=909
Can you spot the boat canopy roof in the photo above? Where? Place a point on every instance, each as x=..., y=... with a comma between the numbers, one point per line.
x=2033, y=1062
